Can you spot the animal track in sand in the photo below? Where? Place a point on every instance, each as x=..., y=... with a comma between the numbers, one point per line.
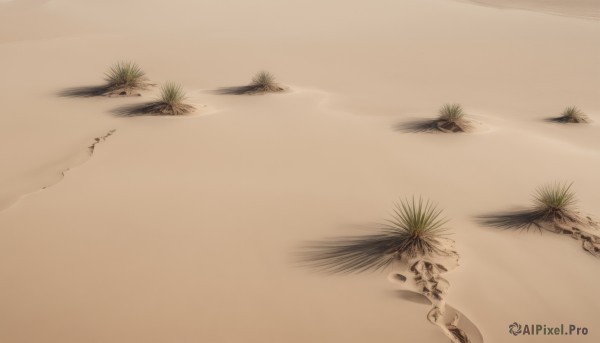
x=89, y=153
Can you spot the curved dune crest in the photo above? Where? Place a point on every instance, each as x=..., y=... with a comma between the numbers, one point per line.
x=589, y=9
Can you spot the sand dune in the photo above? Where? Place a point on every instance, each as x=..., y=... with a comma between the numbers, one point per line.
x=184, y=228
x=576, y=8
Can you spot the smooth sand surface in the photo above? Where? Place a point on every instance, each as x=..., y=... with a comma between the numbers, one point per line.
x=184, y=229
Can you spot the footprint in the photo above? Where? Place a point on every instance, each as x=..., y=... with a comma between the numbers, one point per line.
x=454, y=320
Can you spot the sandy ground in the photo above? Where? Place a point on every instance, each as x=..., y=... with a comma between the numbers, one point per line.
x=184, y=229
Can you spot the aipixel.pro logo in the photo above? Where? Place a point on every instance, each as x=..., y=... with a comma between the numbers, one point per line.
x=516, y=329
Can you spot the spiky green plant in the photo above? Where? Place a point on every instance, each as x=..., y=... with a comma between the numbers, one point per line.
x=172, y=94
x=555, y=201
x=417, y=226
x=573, y=115
x=452, y=113
x=263, y=79
x=171, y=100
x=125, y=75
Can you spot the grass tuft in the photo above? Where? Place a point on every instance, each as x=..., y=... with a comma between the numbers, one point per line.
x=452, y=113
x=572, y=115
x=452, y=119
x=555, y=201
x=125, y=75
x=417, y=225
x=264, y=81
x=172, y=94
x=171, y=100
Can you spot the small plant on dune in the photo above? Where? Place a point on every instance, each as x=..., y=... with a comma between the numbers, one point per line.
x=125, y=76
x=452, y=113
x=264, y=81
x=572, y=115
x=553, y=210
x=555, y=202
x=452, y=119
x=171, y=100
x=417, y=227
x=172, y=94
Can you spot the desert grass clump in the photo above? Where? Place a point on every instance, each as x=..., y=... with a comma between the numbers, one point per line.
x=171, y=100
x=572, y=115
x=451, y=113
x=555, y=202
x=415, y=231
x=264, y=81
x=125, y=77
x=452, y=119
x=417, y=226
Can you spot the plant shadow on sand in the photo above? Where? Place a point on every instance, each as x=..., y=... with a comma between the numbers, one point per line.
x=98, y=91
x=263, y=82
x=417, y=126
x=155, y=108
x=85, y=91
x=238, y=90
x=137, y=110
x=245, y=90
x=350, y=254
x=513, y=220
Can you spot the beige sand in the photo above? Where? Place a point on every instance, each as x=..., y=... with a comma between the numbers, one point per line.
x=183, y=229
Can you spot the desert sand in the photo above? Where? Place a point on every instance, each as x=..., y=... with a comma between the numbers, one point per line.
x=184, y=229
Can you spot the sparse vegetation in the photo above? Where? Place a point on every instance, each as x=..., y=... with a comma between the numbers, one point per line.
x=572, y=115
x=452, y=119
x=553, y=210
x=555, y=201
x=451, y=113
x=417, y=226
x=171, y=100
x=264, y=81
x=125, y=77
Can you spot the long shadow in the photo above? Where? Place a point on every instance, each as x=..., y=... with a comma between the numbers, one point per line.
x=84, y=92
x=562, y=120
x=555, y=120
x=513, y=220
x=417, y=126
x=238, y=90
x=350, y=254
x=138, y=110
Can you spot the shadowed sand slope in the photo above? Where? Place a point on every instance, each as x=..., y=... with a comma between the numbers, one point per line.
x=182, y=229
x=574, y=8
